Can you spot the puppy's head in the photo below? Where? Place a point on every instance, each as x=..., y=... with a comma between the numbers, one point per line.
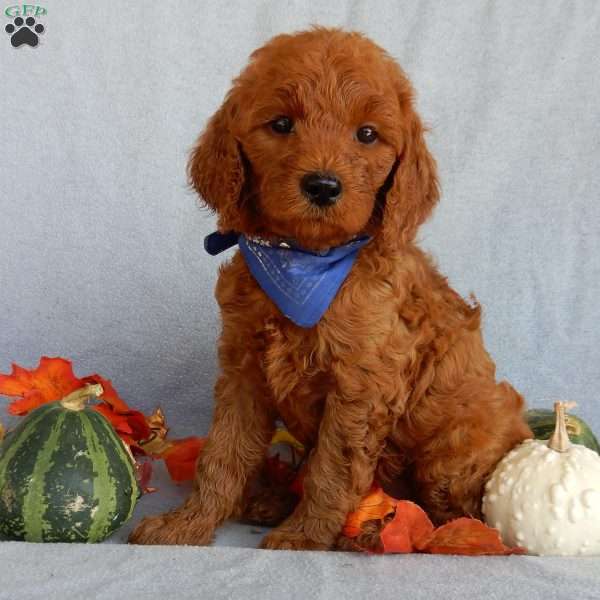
x=318, y=141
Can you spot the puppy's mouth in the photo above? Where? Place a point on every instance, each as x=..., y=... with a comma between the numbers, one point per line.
x=290, y=218
x=313, y=236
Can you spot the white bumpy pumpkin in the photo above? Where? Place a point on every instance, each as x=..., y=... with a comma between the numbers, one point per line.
x=545, y=495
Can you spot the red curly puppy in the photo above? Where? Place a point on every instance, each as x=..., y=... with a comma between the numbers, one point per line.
x=318, y=143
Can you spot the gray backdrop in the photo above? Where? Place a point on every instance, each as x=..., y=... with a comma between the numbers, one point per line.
x=101, y=254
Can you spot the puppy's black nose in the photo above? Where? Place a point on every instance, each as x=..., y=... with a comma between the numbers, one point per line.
x=322, y=189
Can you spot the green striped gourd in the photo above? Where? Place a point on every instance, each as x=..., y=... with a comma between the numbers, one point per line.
x=65, y=475
x=543, y=421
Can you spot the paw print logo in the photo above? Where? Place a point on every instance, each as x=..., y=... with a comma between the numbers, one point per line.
x=24, y=32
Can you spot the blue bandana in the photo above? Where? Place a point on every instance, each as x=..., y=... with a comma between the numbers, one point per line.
x=300, y=282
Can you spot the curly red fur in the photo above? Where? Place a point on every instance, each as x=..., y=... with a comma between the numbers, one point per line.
x=394, y=381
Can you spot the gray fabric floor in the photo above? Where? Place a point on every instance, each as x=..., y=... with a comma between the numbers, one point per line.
x=101, y=252
x=231, y=573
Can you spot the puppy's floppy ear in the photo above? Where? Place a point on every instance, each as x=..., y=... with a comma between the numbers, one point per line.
x=216, y=169
x=413, y=192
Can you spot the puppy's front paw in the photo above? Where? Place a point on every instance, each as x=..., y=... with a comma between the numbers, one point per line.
x=174, y=528
x=286, y=539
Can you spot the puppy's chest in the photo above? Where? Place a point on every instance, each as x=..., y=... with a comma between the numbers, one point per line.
x=297, y=368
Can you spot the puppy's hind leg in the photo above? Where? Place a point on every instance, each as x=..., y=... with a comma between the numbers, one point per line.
x=483, y=421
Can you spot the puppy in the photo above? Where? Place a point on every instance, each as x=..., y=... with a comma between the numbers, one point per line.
x=333, y=320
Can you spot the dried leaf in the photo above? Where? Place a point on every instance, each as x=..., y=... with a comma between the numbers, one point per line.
x=468, y=537
x=157, y=423
x=375, y=505
x=156, y=444
x=51, y=380
x=408, y=531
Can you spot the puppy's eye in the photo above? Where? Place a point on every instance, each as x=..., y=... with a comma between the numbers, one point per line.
x=366, y=134
x=282, y=125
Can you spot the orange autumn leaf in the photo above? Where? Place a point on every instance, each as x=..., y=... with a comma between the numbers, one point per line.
x=408, y=531
x=375, y=505
x=51, y=380
x=467, y=537
x=181, y=458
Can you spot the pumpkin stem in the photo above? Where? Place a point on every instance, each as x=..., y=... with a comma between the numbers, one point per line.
x=76, y=400
x=560, y=438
